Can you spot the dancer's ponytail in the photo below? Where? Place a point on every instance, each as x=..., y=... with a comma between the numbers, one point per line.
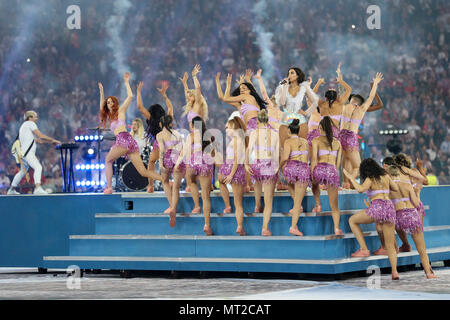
x=327, y=126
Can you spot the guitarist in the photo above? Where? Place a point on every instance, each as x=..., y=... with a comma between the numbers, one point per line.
x=29, y=134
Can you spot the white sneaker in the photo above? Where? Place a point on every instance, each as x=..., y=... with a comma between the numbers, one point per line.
x=39, y=191
x=12, y=191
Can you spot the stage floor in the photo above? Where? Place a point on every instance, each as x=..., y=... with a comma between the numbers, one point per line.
x=26, y=283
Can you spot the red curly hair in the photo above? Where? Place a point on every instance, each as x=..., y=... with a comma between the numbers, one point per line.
x=105, y=114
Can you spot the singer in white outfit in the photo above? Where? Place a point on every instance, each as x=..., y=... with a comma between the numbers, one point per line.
x=290, y=95
x=29, y=134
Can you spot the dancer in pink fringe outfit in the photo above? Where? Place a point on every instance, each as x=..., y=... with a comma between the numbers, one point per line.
x=170, y=145
x=294, y=163
x=198, y=154
x=408, y=220
x=377, y=184
x=262, y=161
x=232, y=171
x=352, y=115
x=325, y=159
x=125, y=145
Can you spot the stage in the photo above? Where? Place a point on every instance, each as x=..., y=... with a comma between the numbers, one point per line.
x=128, y=231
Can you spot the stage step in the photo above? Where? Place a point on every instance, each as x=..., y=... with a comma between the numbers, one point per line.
x=143, y=202
x=275, y=247
x=311, y=224
x=287, y=265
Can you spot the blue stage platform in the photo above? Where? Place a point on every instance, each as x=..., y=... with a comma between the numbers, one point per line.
x=127, y=231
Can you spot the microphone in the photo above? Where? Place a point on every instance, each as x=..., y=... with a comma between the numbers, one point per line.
x=284, y=81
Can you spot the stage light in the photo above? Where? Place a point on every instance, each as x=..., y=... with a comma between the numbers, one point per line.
x=90, y=166
x=101, y=138
x=81, y=138
x=83, y=183
x=77, y=138
x=88, y=183
x=353, y=26
x=86, y=138
x=91, y=151
x=393, y=132
x=28, y=60
x=96, y=137
x=78, y=183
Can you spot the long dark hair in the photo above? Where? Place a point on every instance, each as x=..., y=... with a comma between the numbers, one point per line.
x=203, y=129
x=166, y=121
x=300, y=74
x=327, y=127
x=253, y=92
x=156, y=112
x=369, y=168
x=331, y=96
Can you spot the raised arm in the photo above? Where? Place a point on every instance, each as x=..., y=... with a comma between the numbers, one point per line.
x=280, y=93
x=319, y=82
x=184, y=82
x=379, y=104
x=229, y=99
x=123, y=108
x=422, y=171
x=373, y=91
x=163, y=92
x=140, y=105
x=348, y=90
x=248, y=76
x=198, y=92
x=102, y=95
x=219, y=86
x=262, y=87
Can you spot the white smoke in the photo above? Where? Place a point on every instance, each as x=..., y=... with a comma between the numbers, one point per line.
x=114, y=27
x=264, y=41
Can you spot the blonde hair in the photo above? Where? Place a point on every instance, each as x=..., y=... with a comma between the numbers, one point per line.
x=29, y=114
x=140, y=131
x=190, y=104
x=263, y=117
x=393, y=171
